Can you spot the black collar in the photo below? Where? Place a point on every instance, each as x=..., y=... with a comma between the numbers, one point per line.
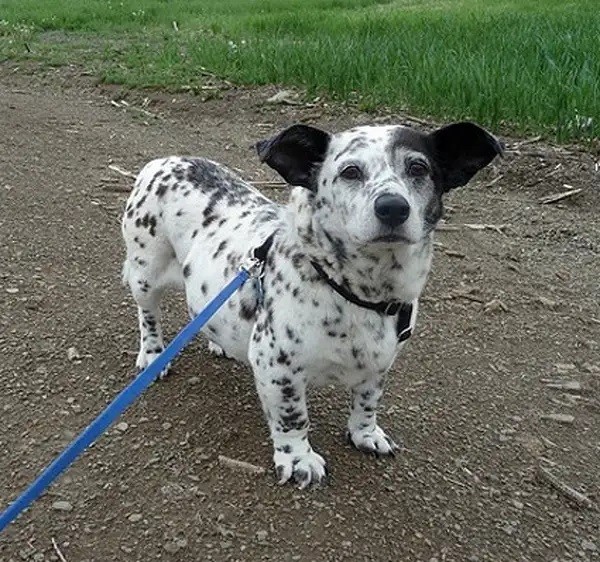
x=390, y=308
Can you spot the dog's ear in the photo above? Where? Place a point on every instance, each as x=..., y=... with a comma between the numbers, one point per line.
x=295, y=153
x=461, y=150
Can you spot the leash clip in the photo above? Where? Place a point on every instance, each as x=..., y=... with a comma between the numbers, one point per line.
x=253, y=267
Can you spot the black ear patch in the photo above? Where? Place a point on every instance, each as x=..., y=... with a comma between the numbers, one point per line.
x=295, y=153
x=461, y=150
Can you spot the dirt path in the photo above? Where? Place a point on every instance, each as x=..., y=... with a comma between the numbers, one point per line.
x=504, y=311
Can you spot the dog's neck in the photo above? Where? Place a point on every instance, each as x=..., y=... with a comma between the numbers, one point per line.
x=371, y=272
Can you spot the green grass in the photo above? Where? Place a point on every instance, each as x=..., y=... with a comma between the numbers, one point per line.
x=529, y=65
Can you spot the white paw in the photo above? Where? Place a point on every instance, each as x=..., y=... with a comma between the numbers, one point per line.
x=304, y=468
x=373, y=441
x=216, y=349
x=146, y=357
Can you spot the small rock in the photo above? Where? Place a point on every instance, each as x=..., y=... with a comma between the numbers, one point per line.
x=135, y=517
x=127, y=549
x=495, y=305
x=286, y=97
x=62, y=505
x=572, y=386
x=560, y=418
x=589, y=368
x=122, y=426
x=193, y=380
x=226, y=544
x=73, y=354
x=517, y=504
x=549, y=303
x=455, y=254
x=588, y=545
x=166, y=426
x=175, y=546
x=261, y=535
x=565, y=367
x=12, y=290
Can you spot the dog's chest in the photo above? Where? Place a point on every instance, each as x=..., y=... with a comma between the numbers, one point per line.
x=331, y=339
x=352, y=345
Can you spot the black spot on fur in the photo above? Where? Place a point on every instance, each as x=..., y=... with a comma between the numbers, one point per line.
x=219, y=249
x=208, y=220
x=283, y=358
x=187, y=270
x=247, y=312
x=162, y=189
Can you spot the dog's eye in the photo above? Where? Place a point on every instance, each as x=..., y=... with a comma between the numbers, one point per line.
x=351, y=173
x=418, y=169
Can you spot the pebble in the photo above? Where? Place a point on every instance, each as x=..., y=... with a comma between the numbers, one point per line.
x=62, y=505
x=588, y=545
x=547, y=302
x=73, y=354
x=560, y=418
x=564, y=367
x=175, y=546
x=193, y=380
x=167, y=425
x=568, y=386
x=12, y=290
x=135, y=517
x=283, y=97
x=517, y=504
x=261, y=535
x=122, y=426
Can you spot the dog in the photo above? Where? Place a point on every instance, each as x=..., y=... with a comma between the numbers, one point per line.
x=344, y=263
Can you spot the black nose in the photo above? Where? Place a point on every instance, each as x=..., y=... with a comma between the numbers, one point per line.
x=392, y=210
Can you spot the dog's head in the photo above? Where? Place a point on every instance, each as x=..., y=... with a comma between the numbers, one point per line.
x=379, y=184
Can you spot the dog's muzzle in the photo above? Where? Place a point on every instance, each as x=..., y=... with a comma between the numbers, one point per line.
x=392, y=210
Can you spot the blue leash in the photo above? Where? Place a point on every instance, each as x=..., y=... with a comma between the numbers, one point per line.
x=125, y=398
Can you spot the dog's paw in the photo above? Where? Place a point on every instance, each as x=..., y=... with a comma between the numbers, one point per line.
x=304, y=469
x=216, y=349
x=146, y=357
x=372, y=441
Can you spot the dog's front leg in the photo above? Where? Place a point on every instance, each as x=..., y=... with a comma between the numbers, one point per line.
x=283, y=398
x=363, y=431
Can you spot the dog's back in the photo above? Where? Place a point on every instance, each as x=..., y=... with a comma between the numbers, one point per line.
x=184, y=207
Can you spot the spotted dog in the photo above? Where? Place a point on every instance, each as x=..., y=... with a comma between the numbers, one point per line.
x=345, y=263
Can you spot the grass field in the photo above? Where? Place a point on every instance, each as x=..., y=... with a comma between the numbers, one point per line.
x=528, y=65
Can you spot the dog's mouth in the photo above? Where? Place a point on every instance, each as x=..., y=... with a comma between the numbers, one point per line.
x=394, y=238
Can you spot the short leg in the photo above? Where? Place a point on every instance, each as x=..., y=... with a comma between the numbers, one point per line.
x=283, y=398
x=363, y=431
x=147, y=297
x=151, y=339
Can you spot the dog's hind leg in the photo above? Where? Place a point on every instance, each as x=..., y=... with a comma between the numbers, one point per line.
x=147, y=281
